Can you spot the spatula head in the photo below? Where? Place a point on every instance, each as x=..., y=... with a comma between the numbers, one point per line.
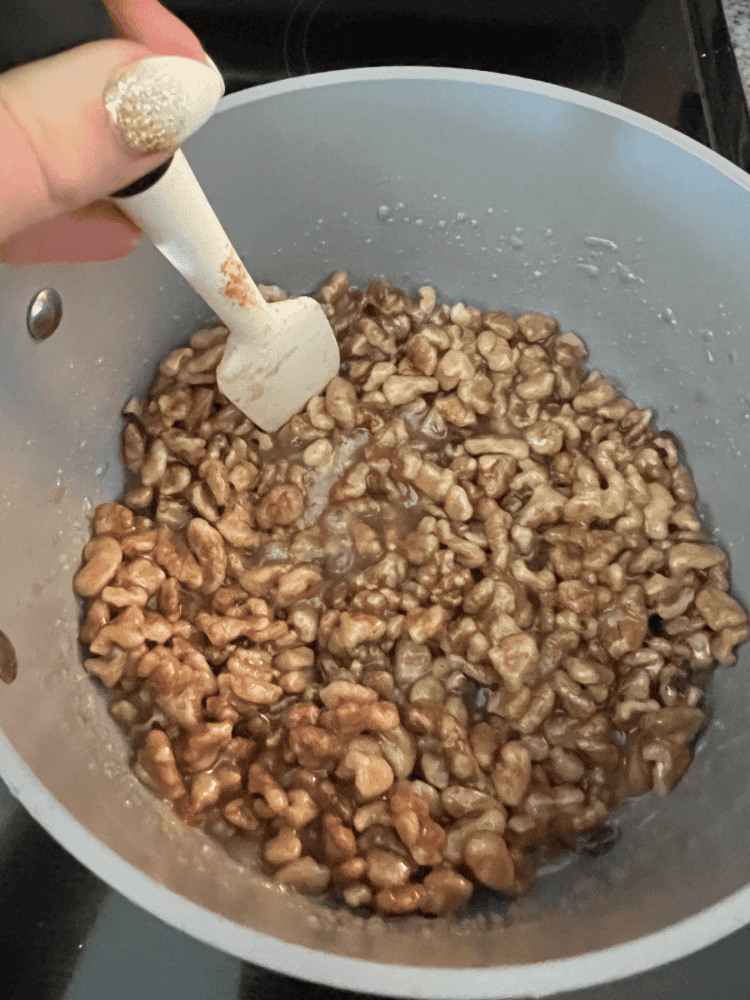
x=272, y=382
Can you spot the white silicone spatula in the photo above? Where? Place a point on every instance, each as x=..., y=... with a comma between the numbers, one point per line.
x=278, y=355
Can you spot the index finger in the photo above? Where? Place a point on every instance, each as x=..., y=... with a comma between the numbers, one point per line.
x=152, y=25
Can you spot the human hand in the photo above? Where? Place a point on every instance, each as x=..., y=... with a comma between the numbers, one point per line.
x=62, y=153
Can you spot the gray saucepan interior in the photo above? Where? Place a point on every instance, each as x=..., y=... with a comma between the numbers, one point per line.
x=502, y=194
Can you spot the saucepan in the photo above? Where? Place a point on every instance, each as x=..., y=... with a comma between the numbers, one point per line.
x=501, y=193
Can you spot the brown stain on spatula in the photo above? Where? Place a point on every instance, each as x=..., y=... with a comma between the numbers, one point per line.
x=237, y=288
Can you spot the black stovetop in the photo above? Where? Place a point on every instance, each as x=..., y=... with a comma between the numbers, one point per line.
x=669, y=59
x=63, y=934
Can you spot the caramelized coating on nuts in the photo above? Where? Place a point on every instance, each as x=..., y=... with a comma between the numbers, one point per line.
x=447, y=618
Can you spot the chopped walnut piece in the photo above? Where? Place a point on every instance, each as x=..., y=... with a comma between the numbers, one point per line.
x=158, y=765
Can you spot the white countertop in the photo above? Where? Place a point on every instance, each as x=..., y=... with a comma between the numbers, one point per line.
x=738, y=18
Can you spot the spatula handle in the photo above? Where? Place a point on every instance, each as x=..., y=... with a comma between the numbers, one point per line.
x=177, y=217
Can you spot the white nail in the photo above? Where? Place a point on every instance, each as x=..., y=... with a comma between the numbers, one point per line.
x=213, y=66
x=158, y=102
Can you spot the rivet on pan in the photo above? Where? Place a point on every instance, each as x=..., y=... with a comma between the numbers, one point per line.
x=44, y=313
x=8, y=661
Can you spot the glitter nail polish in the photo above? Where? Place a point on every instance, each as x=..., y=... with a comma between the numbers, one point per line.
x=156, y=103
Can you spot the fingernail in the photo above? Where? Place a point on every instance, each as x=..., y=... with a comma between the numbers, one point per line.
x=213, y=66
x=156, y=103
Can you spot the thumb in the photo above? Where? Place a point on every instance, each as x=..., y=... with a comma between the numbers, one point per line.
x=63, y=148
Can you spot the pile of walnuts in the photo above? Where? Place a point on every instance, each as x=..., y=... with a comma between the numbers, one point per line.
x=450, y=615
